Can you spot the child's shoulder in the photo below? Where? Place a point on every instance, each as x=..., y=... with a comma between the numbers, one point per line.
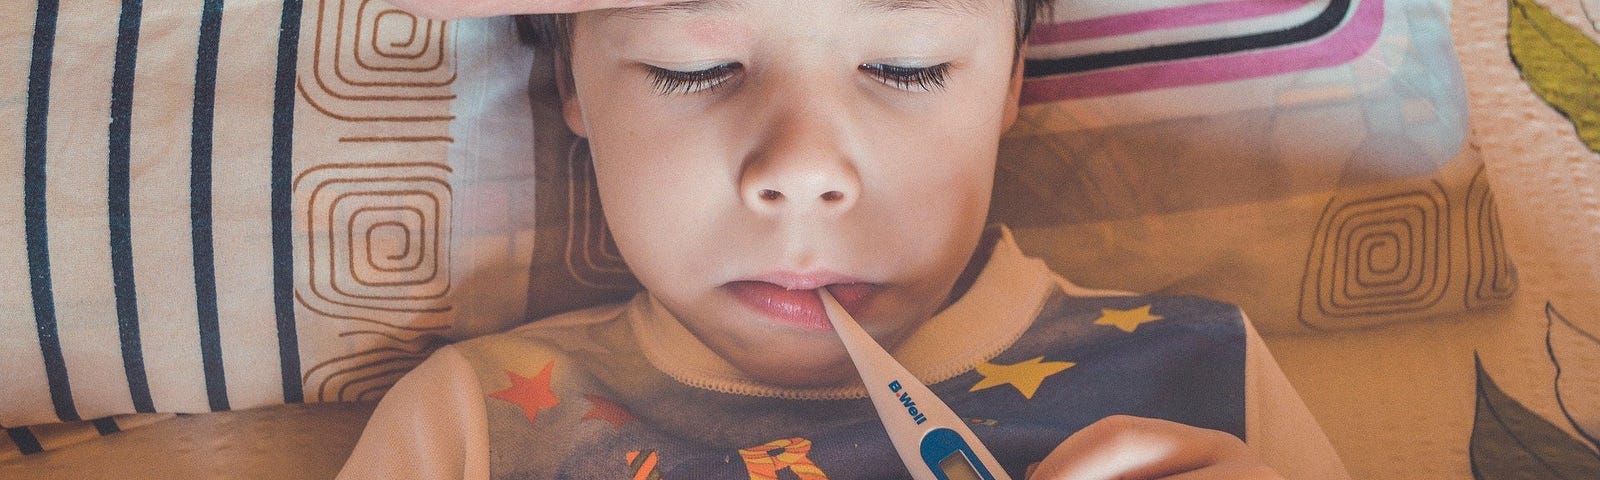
x=1077, y=297
x=575, y=320
x=556, y=336
x=1098, y=313
x=1185, y=306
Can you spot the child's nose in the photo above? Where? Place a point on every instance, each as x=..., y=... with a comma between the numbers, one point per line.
x=800, y=168
x=800, y=190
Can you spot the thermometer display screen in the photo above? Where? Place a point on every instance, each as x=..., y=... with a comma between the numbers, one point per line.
x=957, y=467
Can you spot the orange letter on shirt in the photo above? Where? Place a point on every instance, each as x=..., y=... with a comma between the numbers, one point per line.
x=642, y=465
x=765, y=461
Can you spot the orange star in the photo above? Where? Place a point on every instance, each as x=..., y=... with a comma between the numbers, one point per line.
x=608, y=410
x=532, y=394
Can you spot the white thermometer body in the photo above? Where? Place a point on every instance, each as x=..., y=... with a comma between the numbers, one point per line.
x=933, y=442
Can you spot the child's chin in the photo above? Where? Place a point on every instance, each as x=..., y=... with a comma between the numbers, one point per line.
x=811, y=375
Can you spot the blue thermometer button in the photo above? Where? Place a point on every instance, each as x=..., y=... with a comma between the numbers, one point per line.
x=950, y=458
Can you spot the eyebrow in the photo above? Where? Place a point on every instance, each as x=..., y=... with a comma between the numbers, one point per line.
x=962, y=6
x=688, y=7
x=700, y=6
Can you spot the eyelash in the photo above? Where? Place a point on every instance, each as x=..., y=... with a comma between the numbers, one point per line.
x=924, y=79
x=667, y=82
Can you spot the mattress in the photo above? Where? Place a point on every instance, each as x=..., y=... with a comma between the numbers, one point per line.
x=290, y=442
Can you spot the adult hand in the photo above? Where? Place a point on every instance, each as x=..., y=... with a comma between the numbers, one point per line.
x=447, y=9
x=1124, y=447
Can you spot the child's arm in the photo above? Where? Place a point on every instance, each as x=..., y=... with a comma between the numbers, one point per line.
x=430, y=425
x=1284, y=439
x=1278, y=426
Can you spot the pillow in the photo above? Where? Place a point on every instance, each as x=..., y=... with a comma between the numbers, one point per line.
x=225, y=205
x=1304, y=159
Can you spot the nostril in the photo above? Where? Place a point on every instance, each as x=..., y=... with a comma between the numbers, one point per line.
x=832, y=196
x=769, y=194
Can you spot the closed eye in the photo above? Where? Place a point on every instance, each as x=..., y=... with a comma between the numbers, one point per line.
x=923, y=79
x=668, y=82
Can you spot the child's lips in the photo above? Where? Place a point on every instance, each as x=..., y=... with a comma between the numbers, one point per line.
x=800, y=307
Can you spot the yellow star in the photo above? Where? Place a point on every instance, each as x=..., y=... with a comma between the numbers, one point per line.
x=1127, y=320
x=1025, y=376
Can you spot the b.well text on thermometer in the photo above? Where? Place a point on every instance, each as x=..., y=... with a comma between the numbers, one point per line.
x=905, y=399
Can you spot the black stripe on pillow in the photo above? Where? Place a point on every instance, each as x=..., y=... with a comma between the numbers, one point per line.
x=1322, y=24
x=26, y=442
x=35, y=213
x=120, y=217
x=283, y=200
x=200, y=143
x=107, y=425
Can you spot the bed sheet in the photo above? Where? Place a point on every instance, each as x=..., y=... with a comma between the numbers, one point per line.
x=1412, y=401
x=289, y=442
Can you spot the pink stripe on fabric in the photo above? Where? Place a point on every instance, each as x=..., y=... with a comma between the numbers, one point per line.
x=1161, y=19
x=1345, y=44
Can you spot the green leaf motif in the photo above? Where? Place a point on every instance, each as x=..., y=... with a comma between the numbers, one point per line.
x=1560, y=64
x=1511, y=442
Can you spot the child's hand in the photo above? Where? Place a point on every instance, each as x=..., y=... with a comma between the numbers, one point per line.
x=1125, y=447
x=446, y=9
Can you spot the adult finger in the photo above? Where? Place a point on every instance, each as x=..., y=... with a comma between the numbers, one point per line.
x=447, y=9
x=1143, y=448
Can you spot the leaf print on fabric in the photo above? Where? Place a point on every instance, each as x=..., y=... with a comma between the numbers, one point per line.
x=1576, y=355
x=1511, y=442
x=1560, y=64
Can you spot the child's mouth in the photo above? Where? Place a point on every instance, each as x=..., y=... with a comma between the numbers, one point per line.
x=801, y=307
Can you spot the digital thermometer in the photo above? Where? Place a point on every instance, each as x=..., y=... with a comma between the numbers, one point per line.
x=933, y=442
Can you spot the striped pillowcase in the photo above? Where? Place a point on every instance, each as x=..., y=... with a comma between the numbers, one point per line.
x=1304, y=159
x=21, y=441
x=225, y=205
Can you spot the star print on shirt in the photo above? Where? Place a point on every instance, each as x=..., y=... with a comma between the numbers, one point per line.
x=608, y=410
x=1025, y=376
x=532, y=394
x=1127, y=320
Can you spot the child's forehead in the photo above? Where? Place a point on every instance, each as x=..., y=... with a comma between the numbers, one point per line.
x=972, y=7
x=884, y=24
x=861, y=22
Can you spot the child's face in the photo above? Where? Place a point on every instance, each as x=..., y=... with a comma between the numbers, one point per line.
x=750, y=151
